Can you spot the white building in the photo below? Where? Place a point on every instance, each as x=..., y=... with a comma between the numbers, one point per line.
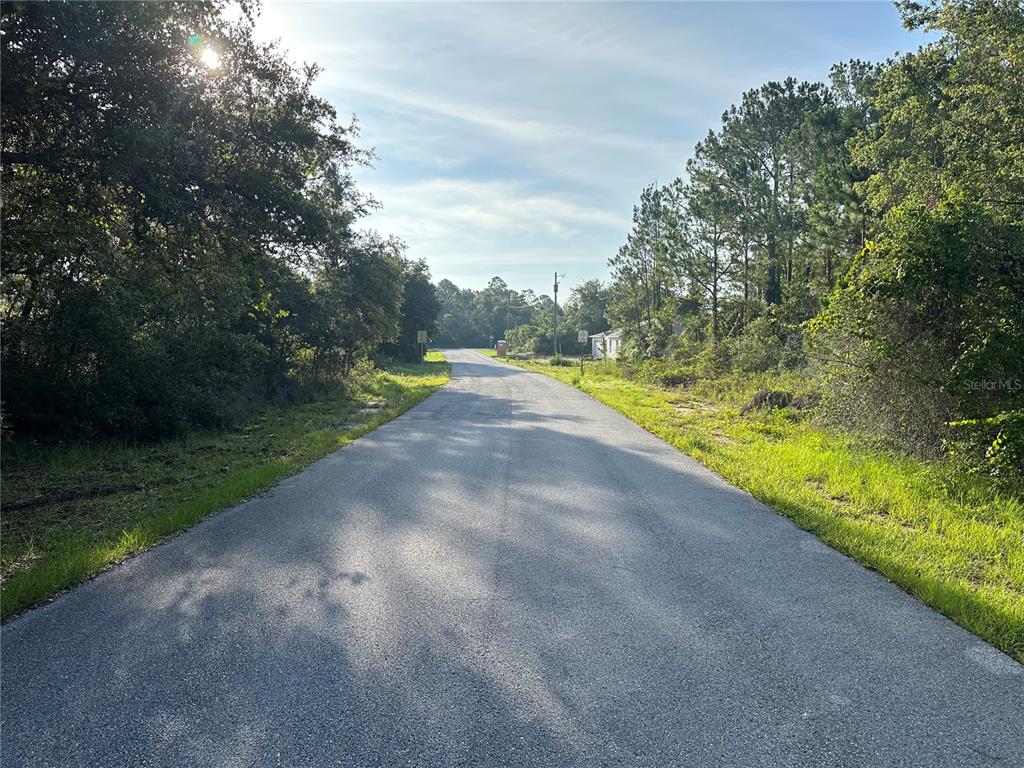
x=605, y=344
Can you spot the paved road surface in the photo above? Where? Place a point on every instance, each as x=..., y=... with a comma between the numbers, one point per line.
x=511, y=574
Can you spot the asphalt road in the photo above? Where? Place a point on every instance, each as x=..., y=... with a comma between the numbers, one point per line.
x=510, y=574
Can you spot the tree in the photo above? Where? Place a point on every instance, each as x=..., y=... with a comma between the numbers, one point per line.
x=420, y=309
x=457, y=328
x=950, y=115
x=491, y=309
x=359, y=292
x=175, y=236
x=838, y=219
x=587, y=306
x=760, y=145
x=934, y=303
x=474, y=318
x=641, y=274
x=527, y=339
x=702, y=215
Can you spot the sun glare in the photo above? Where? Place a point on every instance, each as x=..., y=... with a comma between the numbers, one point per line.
x=210, y=58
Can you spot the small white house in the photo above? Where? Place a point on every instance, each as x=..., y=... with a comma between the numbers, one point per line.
x=605, y=344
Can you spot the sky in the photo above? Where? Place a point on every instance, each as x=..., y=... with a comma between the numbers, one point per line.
x=514, y=139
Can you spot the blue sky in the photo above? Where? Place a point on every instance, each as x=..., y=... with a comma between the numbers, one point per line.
x=513, y=139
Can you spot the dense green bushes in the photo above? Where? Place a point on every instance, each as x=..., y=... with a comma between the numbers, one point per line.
x=527, y=339
x=992, y=446
x=769, y=342
x=178, y=240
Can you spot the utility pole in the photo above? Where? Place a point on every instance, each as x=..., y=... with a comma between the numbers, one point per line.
x=508, y=313
x=554, y=322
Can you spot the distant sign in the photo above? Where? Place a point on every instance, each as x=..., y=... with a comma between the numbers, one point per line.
x=421, y=337
x=582, y=336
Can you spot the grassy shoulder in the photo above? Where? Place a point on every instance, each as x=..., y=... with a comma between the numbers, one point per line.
x=71, y=511
x=954, y=540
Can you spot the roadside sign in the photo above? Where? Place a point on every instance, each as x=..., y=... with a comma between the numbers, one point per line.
x=582, y=336
x=421, y=337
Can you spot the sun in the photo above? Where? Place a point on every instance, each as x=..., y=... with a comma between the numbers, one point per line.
x=210, y=58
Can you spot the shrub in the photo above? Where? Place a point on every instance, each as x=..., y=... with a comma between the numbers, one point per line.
x=928, y=318
x=767, y=399
x=806, y=401
x=524, y=339
x=992, y=446
x=678, y=377
x=894, y=400
x=768, y=343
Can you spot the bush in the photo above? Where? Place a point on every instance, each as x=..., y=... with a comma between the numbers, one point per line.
x=559, y=360
x=992, y=446
x=768, y=343
x=927, y=326
x=525, y=339
x=712, y=362
x=679, y=377
x=895, y=400
x=767, y=399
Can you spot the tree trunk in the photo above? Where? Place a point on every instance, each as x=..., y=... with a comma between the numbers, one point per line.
x=714, y=313
x=773, y=287
x=746, y=283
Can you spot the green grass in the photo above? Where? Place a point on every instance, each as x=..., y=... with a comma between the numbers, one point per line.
x=101, y=502
x=953, y=540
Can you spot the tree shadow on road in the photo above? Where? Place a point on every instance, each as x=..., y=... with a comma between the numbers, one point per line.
x=491, y=581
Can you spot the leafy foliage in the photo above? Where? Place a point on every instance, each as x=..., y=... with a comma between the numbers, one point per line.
x=178, y=239
x=933, y=309
x=587, y=307
x=420, y=310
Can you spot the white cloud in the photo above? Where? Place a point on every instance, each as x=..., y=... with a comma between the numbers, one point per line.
x=425, y=208
x=469, y=230
x=508, y=124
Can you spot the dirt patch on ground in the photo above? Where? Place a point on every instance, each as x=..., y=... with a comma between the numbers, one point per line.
x=689, y=407
x=720, y=438
x=61, y=497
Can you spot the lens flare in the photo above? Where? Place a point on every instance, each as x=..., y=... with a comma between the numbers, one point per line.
x=210, y=58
